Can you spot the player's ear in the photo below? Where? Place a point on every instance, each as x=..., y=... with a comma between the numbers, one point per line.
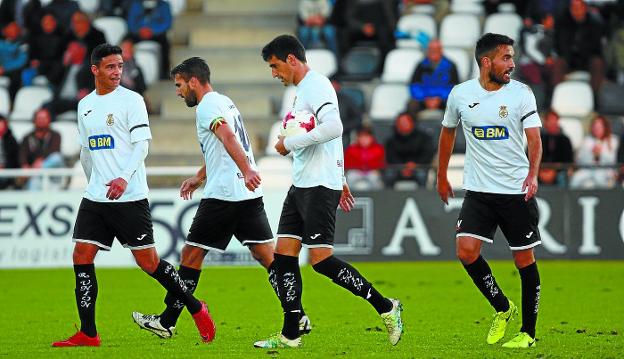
x=94, y=70
x=291, y=59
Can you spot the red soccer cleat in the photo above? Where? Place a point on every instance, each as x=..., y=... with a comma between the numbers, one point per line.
x=204, y=323
x=79, y=339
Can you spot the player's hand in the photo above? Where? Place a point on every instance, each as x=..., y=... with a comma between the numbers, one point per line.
x=279, y=146
x=189, y=186
x=530, y=185
x=116, y=188
x=252, y=179
x=445, y=190
x=346, y=199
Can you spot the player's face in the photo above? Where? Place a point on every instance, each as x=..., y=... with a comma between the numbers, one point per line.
x=502, y=65
x=282, y=70
x=184, y=90
x=108, y=73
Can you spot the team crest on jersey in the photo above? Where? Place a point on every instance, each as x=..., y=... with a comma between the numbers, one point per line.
x=503, y=112
x=109, y=119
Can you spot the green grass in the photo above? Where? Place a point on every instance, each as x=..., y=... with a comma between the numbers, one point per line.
x=581, y=313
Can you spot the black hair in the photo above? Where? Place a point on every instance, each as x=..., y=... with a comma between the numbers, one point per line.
x=193, y=67
x=282, y=46
x=103, y=50
x=490, y=42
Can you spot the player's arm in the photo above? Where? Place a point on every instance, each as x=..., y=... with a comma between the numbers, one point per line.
x=445, y=149
x=534, y=144
x=191, y=184
x=117, y=187
x=86, y=162
x=329, y=127
x=225, y=134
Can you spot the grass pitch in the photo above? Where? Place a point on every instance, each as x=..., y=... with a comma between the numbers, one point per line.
x=581, y=313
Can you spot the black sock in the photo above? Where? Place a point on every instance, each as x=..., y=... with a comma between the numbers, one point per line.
x=175, y=306
x=273, y=273
x=169, y=278
x=86, y=294
x=530, y=298
x=343, y=274
x=481, y=275
x=285, y=278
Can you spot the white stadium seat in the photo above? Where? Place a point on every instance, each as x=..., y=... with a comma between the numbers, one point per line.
x=5, y=101
x=504, y=23
x=423, y=9
x=322, y=61
x=573, y=99
x=113, y=27
x=473, y=7
x=461, y=60
x=148, y=62
x=573, y=128
x=4, y=81
x=460, y=30
x=177, y=6
x=20, y=129
x=414, y=23
x=455, y=172
x=89, y=6
x=388, y=101
x=28, y=100
x=400, y=65
x=70, y=147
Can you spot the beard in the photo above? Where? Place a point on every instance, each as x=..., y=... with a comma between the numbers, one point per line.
x=498, y=79
x=190, y=100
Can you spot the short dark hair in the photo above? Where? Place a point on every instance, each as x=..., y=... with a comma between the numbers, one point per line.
x=103, y=50
x=489, y=42
x=193, y=67
x=282, y=46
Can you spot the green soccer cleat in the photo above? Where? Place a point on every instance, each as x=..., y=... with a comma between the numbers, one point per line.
x=499, y=324
x=522, y=341
x=278, y=341
x=393, y=321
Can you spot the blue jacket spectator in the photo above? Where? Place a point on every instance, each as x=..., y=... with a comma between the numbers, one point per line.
x=434, y=77
x=13, y=56
x=149, y=20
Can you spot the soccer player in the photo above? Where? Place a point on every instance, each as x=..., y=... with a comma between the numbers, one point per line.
x=232, y=200
x=114, y=133
x=501, y=182
x=309, y=212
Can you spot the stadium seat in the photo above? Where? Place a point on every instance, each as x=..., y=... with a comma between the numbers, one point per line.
x=177, y=6
x=473, y=7
x=148, y=45
x=462, y=61
x=275, y=171
x=67, y=116
x=611, y=99
x=423, y=9
x=504, y=23
x=400, y=65
x=113, y=27
x=4, y=81
x=460, y=30
x=20, y=129
x=89, y=6
x=287, y=101
x=388, y=101
x=70, y=147
x=269, y=150
x=28, y=100
x=573, y=99
x=40, y=80
x=617, y=126
x=361, y=63
x=148, y=62
x=5, y=101
x=79, y=179
x=356, y=94
x=578, y=76
x=322, y=61
x=573, y=128
x=506, y=7
x=455, y=172
x=412, y=24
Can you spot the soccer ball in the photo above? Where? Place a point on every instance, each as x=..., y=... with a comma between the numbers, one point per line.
x=297, y=123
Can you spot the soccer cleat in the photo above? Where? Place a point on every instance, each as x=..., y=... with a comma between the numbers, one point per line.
x=278, y=341
x=151, y=322
x=499, y=324
x=204, y=323
x=79, y=339
x=393, y=321
x=522, y=340
x=304, y=325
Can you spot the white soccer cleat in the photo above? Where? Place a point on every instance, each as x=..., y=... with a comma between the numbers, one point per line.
x=304, y=325
x=278, y=341
x=151, y=322
x=393, y=321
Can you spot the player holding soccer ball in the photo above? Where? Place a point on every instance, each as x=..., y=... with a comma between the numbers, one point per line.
x=309, y=211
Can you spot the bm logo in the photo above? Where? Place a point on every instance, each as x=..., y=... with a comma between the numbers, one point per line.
x=101, y=142
x=490, y=133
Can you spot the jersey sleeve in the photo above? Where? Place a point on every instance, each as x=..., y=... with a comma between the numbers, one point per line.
x=210, y=117
x=528, y=109
x=451, y=115
x=138, y=122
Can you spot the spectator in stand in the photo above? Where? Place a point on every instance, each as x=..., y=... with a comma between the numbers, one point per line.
x=557, y=152
x=364, y=160
x=46, y=49
x=132, y=76
x=441, y=7
x=620, y=157
x=13, y=56
x=409, y=152
x=9, y=150
x=433, y=78
x=26, y=13
x=578, y=41
x=114, y=8
x=63, y=11
x=313, y=30
x=83, y=32
x=149, y=20
x=41, y=148
x=599, y=148
x=350, y=113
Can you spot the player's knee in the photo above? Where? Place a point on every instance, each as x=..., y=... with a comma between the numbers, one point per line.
x=192, y=257
x=147, y=264
x=84, y=253
x=467, y=254
x=263, y=254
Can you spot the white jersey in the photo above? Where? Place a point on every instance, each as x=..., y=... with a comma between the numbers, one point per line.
x=318, y=164
x=108, y=125
x=224, y=181
x=493, y=123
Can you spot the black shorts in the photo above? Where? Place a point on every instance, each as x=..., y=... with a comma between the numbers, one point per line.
x=309, y=214
x=481, y=213
x=216, y=221
x=100, y=222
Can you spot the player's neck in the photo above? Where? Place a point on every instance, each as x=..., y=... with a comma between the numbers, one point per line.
x=301, y=74
x=489, y=85
x=103, y=90
x=201, y=92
